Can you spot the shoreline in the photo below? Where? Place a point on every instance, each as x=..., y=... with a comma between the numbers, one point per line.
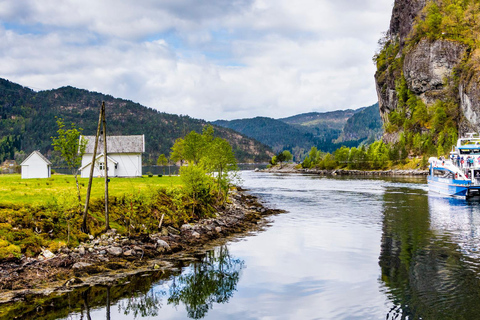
x=290, y=168
x=111, y=257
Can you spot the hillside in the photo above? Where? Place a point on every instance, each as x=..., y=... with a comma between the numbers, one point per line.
x=274, y=133
x=299, y=133
x=428, y=73
x=363, y=124
x=27, y=122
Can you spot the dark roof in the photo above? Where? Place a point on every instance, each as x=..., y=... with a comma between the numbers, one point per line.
x=117, y=144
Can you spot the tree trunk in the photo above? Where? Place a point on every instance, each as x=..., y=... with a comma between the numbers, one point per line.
x=92, y=167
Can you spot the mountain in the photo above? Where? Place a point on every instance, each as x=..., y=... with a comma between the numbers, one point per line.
x=365, y=123
x=428, y=72
x=28, y=121
x=299, y=133
x=274, y=133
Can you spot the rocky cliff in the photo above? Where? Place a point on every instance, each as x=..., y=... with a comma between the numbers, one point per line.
x=427, y=73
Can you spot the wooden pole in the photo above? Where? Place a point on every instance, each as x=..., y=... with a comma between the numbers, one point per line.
x=107, y=221
x=92, y=166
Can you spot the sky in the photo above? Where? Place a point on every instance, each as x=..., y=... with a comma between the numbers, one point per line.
x=210, y=59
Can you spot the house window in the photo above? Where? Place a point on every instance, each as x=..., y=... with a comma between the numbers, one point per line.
x=116, y=166
x=101, y=165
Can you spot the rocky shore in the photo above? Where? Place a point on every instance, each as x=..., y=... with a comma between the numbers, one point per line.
x=291, y=168
x=108, y=258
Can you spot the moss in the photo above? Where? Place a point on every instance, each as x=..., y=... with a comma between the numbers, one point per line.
x=9, y=250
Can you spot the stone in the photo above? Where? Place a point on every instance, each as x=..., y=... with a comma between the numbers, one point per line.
x=195, y=234
x=47, y=254
x=90, y=249
x=186, y=227
x=102, y=252
x=90, y=237
x=137, y=248
x=81, y=250
x=129, y=253
x=115, y=251
x=162, y=246
x=81, y=265
x=218, y=229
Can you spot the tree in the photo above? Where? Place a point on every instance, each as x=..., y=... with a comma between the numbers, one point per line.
x=219, y=158
x=71, y=146
x=162, y=161
x=212, y=155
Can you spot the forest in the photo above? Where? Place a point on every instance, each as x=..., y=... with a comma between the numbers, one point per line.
x=28, y=121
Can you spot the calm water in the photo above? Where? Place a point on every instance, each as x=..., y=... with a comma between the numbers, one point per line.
x=348, y=248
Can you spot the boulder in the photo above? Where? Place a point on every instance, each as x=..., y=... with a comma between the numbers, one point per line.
x=115, y=251
x=81, y=265
x=162, y=246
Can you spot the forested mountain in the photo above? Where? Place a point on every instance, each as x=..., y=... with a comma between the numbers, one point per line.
x=274, y=133
x=299, y=133
x=363, y=124
x=28, y=121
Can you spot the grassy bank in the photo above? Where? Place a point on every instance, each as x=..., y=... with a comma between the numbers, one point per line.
x=45, y=213
x=41, y=192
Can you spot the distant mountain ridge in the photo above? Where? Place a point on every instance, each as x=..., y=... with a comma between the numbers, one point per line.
x=325, y=130
x=28, y=121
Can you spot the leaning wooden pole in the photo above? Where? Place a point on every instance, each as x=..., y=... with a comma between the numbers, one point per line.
x=107, y=221
x=92, y=167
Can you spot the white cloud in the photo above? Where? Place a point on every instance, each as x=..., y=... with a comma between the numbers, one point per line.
x=214, y=59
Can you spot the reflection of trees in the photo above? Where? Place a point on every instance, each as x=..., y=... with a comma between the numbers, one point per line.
x=143, y=305
x=426, y=274
x=213, y=280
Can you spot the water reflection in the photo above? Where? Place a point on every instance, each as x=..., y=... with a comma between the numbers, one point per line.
x=212, y=281
x=427, y=257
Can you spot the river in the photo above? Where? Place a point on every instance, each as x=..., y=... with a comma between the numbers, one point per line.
x=348, y=248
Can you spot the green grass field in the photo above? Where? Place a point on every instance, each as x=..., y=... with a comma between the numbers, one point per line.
x=14, y=190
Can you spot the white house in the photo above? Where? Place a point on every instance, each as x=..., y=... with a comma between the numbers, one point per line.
x=124, y=156
x=36, y=166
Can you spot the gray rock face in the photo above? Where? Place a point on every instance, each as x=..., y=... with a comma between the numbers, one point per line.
x=470, y=106
x=429, y=63
x=403, y=16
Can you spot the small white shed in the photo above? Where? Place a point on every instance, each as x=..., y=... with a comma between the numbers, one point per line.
x=36, y=166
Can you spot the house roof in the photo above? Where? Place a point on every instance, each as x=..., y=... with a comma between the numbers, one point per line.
x=117, y=144
x=39, y=154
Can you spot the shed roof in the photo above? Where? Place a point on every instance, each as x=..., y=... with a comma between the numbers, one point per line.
x=39, y=154
x=117, y=144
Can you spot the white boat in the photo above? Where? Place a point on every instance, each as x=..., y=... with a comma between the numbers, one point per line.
x=460, y=174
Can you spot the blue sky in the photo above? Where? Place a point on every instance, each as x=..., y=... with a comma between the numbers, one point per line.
x=215, y=59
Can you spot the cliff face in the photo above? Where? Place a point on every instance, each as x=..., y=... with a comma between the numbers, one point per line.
x=434, y=64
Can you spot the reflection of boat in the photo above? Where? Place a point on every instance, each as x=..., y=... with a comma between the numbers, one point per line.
x=459, y=175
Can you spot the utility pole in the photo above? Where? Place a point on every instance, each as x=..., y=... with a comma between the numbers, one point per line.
x=107, y=220
x=92, y=167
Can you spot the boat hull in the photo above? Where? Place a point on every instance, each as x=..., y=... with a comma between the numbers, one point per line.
x=453, y=187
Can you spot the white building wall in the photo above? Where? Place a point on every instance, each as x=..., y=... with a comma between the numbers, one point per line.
x=35, y=167
x=128, y=165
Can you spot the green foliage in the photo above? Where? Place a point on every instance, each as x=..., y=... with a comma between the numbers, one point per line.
x=205, y=155
x=162, y=160
x=69, y=144
x=199, y=187
x=449, y=19
x=8, y=250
